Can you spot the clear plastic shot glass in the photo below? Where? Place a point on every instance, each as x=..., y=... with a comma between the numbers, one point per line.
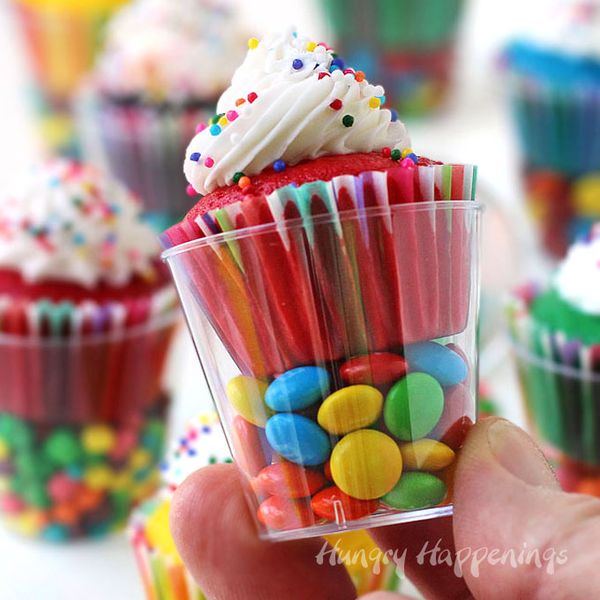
x=340, y=351
x=81, y=428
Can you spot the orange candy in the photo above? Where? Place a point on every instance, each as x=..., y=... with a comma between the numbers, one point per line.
x=282, y=513
x=289, y=480
x=332, y=504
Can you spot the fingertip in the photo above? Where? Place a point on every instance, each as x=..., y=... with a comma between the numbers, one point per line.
x=218, y=541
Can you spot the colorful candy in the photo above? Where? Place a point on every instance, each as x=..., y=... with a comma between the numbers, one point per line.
x=415, y=491
x=366, y=464
x=333, y=505
x=376, y=432
x=66, y=481
x=298, y=439
x=353, y=407
x=438, y=361
x=247, y=396
x=378, y=368
x=298, y=389
x=288, y=479
x=426, y=455
x=413, y=406
x=278, y=512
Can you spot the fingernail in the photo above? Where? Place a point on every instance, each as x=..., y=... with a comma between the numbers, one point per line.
x=519, y=455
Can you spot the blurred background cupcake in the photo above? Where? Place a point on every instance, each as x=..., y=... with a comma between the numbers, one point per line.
x=406, y=45
x=554, y=81
x=161, y=72
x=159, y=565
x=61, y=38
x=556, y=334
x=86, y=318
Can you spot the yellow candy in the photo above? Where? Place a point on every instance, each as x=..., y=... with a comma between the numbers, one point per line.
x=366, y=464
x=406, y=152
x=374, y=102
x=4, y=450
x=98, y=477
x=122, y=481
x=252, y=43
x=311, y=46
x=586, y=196
x=350, y=408
x=29, y=523
x=140, y=459
x=426, y=455
x=97, y=439
x=143, y=490
x=223, y=121
x=247, y=396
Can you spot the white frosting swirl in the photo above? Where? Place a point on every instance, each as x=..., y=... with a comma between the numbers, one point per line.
x=572, y=27
x=291, y=118
x=173, y=50
x=66, y=222
x=578, y=278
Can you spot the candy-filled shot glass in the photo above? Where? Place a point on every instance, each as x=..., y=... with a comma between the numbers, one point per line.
x=340, y=350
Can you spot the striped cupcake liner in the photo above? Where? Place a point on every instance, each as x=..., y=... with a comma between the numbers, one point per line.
x=61, y=44
x=142, y=145
x=333, y=269
x=66, y=363
x=560, y=382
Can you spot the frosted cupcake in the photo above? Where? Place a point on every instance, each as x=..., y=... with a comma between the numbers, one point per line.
x=408, y=45
x=86, y=316
x=554, y=79
x=323, y=268
x=161, y=71
x=557, y=335
x=163, y=573
x=61, y=38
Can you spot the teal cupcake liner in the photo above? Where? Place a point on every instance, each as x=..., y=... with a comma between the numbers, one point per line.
x=412, y=25
x=558, y=126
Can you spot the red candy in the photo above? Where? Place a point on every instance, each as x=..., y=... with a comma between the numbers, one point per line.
x=458, y=402
x=456, y=434
x=332, y=504
x=252, y=449
x=288, y=479
x=282, y=513
x=378, y=368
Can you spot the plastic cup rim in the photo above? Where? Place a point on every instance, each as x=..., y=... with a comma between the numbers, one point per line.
x=155, y=324
x=326, y=218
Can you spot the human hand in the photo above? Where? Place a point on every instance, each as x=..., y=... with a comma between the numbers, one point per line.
x=506, y=503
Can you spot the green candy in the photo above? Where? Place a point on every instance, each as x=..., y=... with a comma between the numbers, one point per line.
x=35, y=494
x=62, y=447
x=413, y=406
x=416, y=490
x=16, y=433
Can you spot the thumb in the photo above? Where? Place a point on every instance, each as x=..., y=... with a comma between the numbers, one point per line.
x=516, y=533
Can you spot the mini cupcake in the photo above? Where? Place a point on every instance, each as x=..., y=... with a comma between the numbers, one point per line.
x=163, y=573
x=326, y=258
x=161, y=71
x=86, y=317
x=556, y=331
x=408, y=45
x=61, y=38
x=554, y=81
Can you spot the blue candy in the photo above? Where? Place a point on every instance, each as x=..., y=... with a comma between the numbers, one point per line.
x=298, y=389
x=436, y=360
x=298, y=439
x=55, y=533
